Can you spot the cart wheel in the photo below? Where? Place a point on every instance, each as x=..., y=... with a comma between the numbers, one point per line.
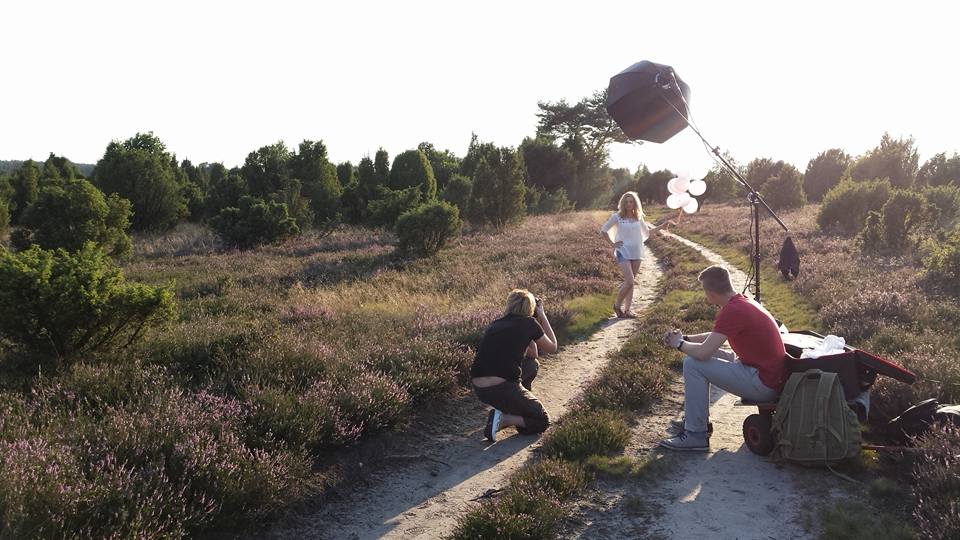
x=757, y=435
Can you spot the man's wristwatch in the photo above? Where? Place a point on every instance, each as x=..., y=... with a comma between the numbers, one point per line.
x=680, y=345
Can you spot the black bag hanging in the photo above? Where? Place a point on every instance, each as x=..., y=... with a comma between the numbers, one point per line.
x=789, y=263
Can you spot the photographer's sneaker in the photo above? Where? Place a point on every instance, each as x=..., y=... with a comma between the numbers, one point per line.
x=688, y=442
x=493, y=425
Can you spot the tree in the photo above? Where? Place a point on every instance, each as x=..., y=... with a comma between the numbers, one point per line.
x=761, y=170
x=65, y=304
x=255, y=222
x=895, y=160
x=141, y=171
x=225, y=193
x=476, y=152
x=457, y=191
x=940, y=170
x=444, y=163
x=722, y=185
x=424, y=230
x=785, y=190
x=548, y=166
x=586, y=120
x=592, y=178
x=497, y=197
x=298, y=206
x=413, y=169
x=847, y=205
x=267, y=168
x=4, y=217
x=25, y=182
x=74, y=213
x=823, y=172
x=60, y=168
x=381, y=164
x=389, y=204
x=345, y=173
x=652, y=187
x=311, y=166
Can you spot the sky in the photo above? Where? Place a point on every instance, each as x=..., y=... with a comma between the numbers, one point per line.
x=216, y=80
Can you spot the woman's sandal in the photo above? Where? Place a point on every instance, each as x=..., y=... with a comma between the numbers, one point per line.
x=616, y=309
x=628, y=315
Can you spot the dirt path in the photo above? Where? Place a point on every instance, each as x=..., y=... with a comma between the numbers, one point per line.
x=422, y=483
x=726, y=493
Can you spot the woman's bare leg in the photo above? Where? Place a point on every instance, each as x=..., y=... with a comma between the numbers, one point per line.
x=634, y=268
x=625, y=293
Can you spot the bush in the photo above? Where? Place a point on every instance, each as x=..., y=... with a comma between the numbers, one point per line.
x=588, y=434
x=62, y=304
x=424, y=230
x=498, y=190
x=937, y=484
x=413, y=169
x=4, y=217
x=946, y=199
x=942, y=265
x=68, y=215
x=457, y=191
x=254, y=223
x=785, y=189
x=891, y=230
x=391, y=203
x=846, y=206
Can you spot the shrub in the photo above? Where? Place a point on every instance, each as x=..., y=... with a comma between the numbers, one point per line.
x=457, y=191
x=413, y=169
x=942, y=264
x=424, y=230
x=62, y=304
x=390, y=203
x=946, y=199
x=4, y=217
x=498, y=190
x=254, y=223
x=143, y=172
x=892, y=228
x=225, y=193
x=587, y=434
x=784, y=189
x=555, y=202
x=846, y=206
x=937, y=484
x=895, y=160
x=68, y=215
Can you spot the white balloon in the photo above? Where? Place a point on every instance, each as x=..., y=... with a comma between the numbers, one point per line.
x=673, y=201
x=697, y=188
x=684, y=174
x=691, y=206
x=673, y=186
x=682, y=183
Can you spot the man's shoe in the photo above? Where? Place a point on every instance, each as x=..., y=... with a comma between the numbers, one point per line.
x=677, y=426
x=493, y=425
x=688, y=442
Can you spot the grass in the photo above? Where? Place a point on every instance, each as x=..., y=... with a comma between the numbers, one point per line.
x=281, y=355
x=587, y=313
x=850, y=520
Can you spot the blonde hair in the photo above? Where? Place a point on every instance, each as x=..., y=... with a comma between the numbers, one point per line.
x=638, y=208
x=521, y=302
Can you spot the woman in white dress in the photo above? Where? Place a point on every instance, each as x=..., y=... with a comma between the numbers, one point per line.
x=627, y=231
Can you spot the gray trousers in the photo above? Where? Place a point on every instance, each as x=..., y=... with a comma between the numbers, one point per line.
x=730, y=375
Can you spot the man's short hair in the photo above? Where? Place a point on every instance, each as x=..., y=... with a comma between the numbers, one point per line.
x=716, y=279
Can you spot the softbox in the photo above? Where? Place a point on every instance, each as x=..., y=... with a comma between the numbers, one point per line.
x=637, y=100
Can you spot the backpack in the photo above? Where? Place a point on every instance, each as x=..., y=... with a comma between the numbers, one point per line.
x=813, y=424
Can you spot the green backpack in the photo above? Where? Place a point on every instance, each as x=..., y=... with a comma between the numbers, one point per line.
x=813, y=424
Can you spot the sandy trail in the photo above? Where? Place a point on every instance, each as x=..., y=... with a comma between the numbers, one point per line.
x=422, y=483
x=726, y=493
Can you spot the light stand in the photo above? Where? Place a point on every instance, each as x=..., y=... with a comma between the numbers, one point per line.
x=752, y=195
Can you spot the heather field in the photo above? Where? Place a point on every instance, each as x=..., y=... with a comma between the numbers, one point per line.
x=278, y=356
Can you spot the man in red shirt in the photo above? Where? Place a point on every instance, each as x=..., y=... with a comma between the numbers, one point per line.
x=756, y=369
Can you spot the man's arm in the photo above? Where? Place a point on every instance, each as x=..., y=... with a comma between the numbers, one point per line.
x=698, y=338
x=701, y=351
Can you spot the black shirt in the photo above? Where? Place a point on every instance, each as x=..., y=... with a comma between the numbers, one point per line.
x=502, y=345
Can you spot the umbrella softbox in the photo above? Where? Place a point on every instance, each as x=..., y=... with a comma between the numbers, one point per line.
x=641, y=99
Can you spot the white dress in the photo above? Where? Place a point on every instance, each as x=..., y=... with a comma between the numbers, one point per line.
x=632, y=232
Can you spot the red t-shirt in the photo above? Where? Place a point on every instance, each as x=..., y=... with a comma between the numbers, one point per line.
x=754, y=336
